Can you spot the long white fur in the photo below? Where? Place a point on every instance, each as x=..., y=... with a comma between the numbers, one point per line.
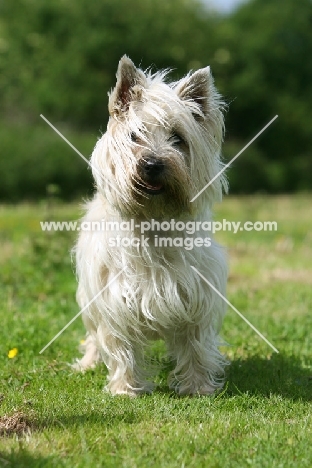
x=158, y=295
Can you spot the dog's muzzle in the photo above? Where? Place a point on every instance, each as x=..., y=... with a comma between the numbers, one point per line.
x=150, y=170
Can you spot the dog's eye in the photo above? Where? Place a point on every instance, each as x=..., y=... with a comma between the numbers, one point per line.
x=134, y=137
x=176, y=139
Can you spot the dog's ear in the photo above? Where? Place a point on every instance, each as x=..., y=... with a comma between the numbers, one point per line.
x=130, y=81
x=197, y=88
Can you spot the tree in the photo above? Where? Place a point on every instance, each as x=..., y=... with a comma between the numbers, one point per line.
x=267, y=71
x=61, y=56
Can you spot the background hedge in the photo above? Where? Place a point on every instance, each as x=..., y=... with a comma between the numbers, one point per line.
x=59, y=57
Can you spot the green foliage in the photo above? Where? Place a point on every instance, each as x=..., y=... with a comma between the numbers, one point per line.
x=266, y=45
x=35, y=162
x=59, y=58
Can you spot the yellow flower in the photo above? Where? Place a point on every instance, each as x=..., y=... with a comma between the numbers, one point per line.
x=12, y=353
x=82, y=342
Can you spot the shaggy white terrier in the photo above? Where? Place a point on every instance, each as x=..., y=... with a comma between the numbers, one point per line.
x=162, y=146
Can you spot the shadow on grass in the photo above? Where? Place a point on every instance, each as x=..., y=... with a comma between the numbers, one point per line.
x=279, y=375
x=23, y=459
x=114, y=411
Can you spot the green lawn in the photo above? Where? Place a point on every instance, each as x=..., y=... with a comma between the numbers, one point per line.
x=52, y=417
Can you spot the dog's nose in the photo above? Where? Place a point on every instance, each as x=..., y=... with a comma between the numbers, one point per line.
x=151, y=166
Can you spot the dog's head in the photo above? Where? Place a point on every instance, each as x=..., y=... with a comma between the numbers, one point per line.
x=162, y=144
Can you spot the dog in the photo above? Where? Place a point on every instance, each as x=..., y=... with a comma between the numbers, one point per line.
x=162, y=146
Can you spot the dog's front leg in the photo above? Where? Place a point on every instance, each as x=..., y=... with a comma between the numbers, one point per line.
x=124, y=360
x=199, y=365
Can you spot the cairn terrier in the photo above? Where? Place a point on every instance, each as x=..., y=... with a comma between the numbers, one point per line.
x=136, y=281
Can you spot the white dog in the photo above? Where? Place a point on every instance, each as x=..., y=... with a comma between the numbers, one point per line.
x=162, y=146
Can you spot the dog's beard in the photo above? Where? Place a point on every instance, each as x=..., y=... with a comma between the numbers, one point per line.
x=164, y=196
x=172, y=201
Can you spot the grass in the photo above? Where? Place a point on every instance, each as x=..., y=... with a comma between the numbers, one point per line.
x=52, y=417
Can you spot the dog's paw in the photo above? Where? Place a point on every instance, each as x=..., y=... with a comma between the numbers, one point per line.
x=91, y=356
x=206, y=390
x=192, y=390
x=126, y=389
x=128, y=392
x=81, y=365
